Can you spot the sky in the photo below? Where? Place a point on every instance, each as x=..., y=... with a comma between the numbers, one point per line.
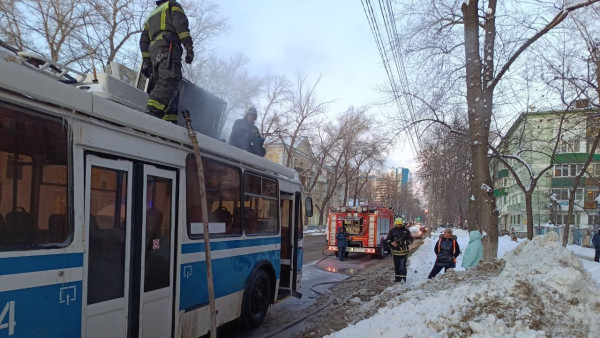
x=543, y=290
x=311, y=37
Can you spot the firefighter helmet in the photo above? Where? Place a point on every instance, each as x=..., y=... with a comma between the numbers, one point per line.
x=399, y=220
x=251, y=110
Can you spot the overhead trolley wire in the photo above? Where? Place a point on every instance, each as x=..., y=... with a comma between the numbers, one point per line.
x=396, y=57
x=379, y=42
x=404, y=82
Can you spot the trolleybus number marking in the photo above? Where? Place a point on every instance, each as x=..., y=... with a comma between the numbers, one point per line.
x=10, y=324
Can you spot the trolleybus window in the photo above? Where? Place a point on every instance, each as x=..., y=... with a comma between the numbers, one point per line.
x=158, y=233
x=108, y=214
x=33, y=180
x=223, y=193
x=260, y=205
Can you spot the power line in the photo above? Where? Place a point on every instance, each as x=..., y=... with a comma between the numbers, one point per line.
x=397, y=66
x=379, y=42
x=401, y=69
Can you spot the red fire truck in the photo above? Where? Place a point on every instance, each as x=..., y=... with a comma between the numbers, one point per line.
x=367, y=225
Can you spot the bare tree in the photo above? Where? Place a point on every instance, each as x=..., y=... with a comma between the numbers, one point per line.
x=112, y=24
x=58, y=23
x=305, y=113
x=70, y=30
x=434, y=37
x=276, y=104
x=334, y=146
x=228, y=80
x=369, y=149
x=445, y=170
x=13, y=25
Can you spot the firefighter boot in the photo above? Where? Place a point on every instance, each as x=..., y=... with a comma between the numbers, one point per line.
x=153, y=111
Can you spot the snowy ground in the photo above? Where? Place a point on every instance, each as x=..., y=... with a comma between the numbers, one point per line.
x=538, y=289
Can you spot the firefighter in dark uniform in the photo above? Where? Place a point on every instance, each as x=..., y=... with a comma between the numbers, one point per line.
x=398, y=240
x=167, y=26
x=245, y=134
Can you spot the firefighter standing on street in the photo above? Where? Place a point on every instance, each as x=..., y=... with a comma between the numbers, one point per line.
x=398, y=239
x=165, y=30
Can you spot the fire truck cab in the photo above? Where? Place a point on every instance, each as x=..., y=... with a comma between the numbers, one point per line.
x=367, y=225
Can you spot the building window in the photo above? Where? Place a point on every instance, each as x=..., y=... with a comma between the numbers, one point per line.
x=590, y=196
x=568, y=146
x=564, y=193
x=562, y=219
x=567, y=170
x=594, y=170
x=515, y=219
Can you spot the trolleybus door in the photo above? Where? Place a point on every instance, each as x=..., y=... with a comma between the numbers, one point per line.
x=298, y=252
x=157, y=258
x=108, y=205
x=287, y=243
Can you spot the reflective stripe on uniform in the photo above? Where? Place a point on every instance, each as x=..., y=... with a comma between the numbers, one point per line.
x=177, y=9
x=159, y=37
x=162, y=9
x=156, y=104
x=156, y=10
x=145, y=54
x=183, y=35
x=170, y=117
x=163, y=17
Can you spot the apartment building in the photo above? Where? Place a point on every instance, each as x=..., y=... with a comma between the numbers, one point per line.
x=532, y=138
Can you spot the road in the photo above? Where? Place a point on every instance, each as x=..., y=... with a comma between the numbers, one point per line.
x=314, y=246
x=288, y=310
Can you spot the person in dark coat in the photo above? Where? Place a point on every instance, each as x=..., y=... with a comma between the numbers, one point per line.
x=596, y=242
x=245, y=134
x=447, y=250
x=342, y=242
x=398, y=240
x=165, y=30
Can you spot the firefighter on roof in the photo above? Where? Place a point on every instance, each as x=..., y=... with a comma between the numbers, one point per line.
x=245, y=134
x=398, y=239
x=165, y=30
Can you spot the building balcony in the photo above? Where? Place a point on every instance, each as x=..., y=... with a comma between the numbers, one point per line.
x=574, y=158
x=500, y=192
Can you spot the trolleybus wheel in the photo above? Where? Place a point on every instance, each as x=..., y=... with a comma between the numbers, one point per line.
x=256, y=299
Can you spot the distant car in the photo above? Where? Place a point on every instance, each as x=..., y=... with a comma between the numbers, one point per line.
x=417, y=231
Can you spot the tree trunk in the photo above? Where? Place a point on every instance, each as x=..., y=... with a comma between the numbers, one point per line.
x=482, y=204
x=529, y=212
x=321, y=217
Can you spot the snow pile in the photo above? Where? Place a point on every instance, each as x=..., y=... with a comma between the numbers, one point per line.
x=539, y=289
